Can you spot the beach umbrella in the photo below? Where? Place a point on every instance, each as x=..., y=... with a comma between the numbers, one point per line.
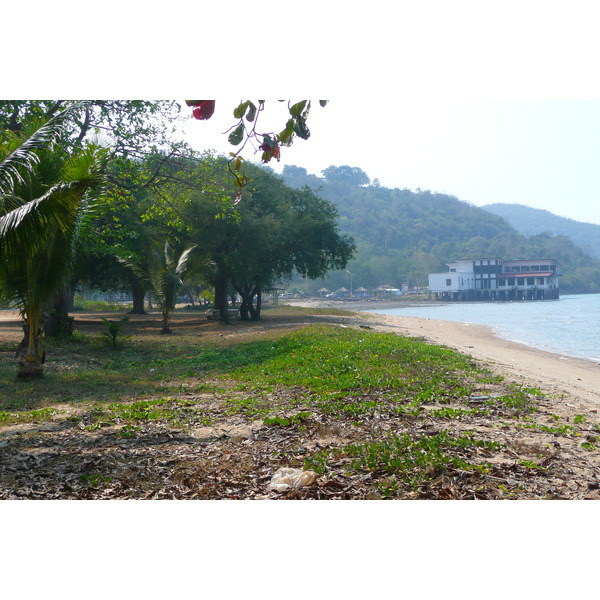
x=323, y=290
x=342, y=289
x=361, y=289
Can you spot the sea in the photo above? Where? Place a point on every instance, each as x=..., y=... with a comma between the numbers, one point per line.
x=569, y=326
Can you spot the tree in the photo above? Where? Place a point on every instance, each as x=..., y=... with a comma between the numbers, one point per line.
x=40, y=218
x=275, y=232
x=244, y=130
x=167, y=274
x=133, y=129
x=346, y=174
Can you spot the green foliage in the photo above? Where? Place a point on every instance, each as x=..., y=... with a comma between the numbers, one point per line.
x=335, y=364
x=415, y=459
x=82, y=305
x=346, y=174
x=272, y=233
x=269, y=143
x=296, y=419
x=65, y=324
x=134, y=127
x=113, y=331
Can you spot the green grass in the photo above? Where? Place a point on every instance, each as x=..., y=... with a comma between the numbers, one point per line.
x=405, y=460
x=334, y=362
x=306, y=383
x=171, y=411
x=332, y=369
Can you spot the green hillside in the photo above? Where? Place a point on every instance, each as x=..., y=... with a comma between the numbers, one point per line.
x=403, y=235
x=530, y=221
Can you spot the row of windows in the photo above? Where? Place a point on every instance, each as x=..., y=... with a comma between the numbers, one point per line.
x=487, y=269
x=529, y=268
x=522, y=281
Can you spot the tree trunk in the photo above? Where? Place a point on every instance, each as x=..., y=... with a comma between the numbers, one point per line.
x=247, y=310
x=191, y=293
x=165, y=323
x=30, y=353
x=58, y=321
x=221, y=284
x=244, y=310
x=138, y=293
x=258, y=302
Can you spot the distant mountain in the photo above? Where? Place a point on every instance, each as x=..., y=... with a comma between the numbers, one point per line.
x=402, y=235
x=531, y=221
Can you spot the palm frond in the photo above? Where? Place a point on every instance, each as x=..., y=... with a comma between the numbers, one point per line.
x=27, y=224
x=24, y=156
x=135, y=270
x=192, y=263
x=184, y=259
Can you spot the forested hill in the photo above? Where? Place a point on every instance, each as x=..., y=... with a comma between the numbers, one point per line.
x=534, y=220
x=403, y=235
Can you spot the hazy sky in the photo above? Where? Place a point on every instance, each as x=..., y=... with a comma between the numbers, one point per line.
x=541, y=153
x=487, y=101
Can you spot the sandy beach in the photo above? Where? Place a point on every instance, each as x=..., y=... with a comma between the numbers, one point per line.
x=574, y=382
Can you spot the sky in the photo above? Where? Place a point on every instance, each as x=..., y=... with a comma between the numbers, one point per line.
x=486, y=101
x=540, y=153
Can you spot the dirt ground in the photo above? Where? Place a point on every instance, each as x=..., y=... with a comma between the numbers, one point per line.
x=236, y=458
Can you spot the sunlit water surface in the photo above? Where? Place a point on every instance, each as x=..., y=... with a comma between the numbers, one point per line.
x=568, y=326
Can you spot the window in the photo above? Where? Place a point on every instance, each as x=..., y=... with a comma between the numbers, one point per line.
x=448, y=281
x=530, y=281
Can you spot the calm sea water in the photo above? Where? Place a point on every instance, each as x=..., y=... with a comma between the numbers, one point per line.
x=569, y=326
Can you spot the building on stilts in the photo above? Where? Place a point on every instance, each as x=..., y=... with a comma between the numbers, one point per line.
x=496, y=279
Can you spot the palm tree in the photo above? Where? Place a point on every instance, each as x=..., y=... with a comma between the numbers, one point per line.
x=166, y=274
x=44, y=196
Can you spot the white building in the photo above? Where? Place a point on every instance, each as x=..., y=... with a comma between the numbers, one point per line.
x=497, y=279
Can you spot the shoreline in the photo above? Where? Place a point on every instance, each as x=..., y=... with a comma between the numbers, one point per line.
x=562, y=376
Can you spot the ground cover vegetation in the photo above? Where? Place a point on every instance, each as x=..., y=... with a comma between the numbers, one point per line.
x=214, y=410
x=403, y=235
